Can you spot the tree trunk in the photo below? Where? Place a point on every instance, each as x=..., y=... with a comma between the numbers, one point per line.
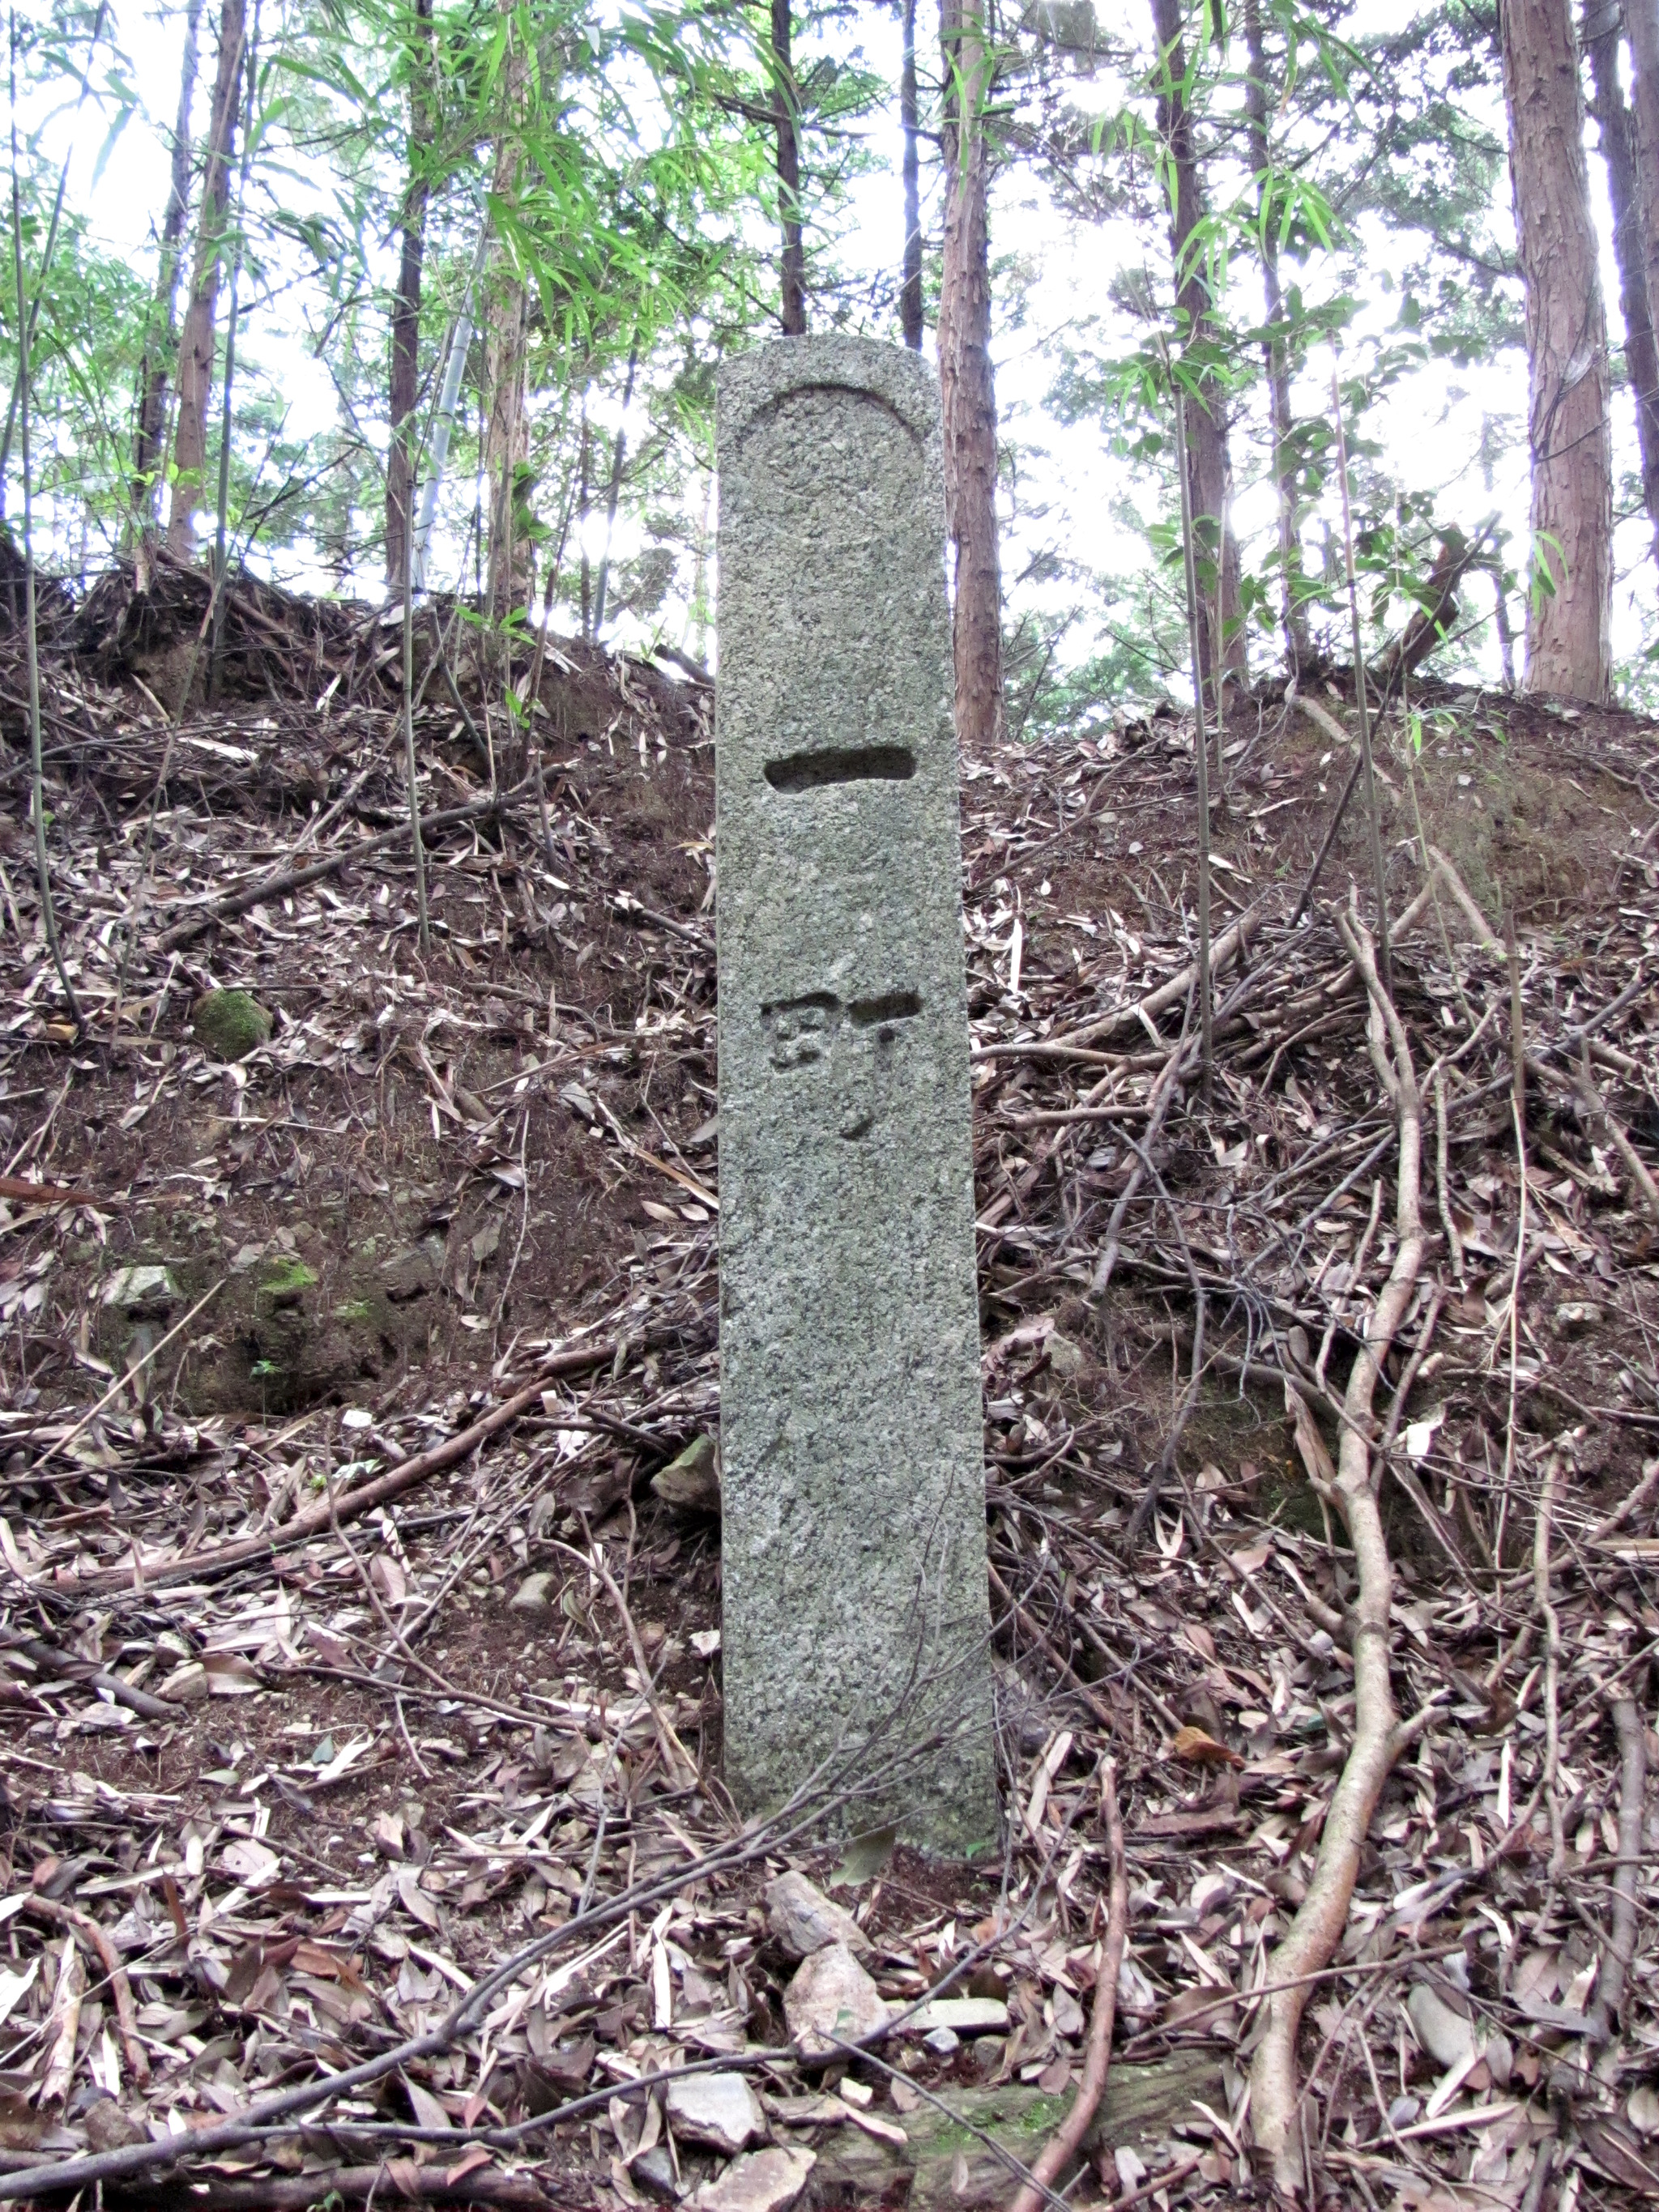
x=786, y=112
x=404, y=379
x=1293, y=616
x=506, y=438
x=910, y=290
x=1568, y=649
x=1641, y=29
x=196, y=347
x=967, y=390
x=582, y=513
x=1221, y=627
x=161, y=330
x=1614, y=122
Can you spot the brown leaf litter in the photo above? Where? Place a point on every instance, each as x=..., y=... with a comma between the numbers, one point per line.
x=362, y=1809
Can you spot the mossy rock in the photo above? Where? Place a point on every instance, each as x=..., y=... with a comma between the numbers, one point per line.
x=944, y=2166
x=231, y=1023
x=286, y=1283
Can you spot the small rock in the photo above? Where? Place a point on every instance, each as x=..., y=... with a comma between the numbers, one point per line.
x=1446, y=2035
x=803, y=1920
x=942, y=2041
x=1065, y=1357
x=230, y=1023
x=1576, y=1316
x=142, y=1290
x=185, y=1686
x=532, y=1594
x=692, y=1481
x=653, y=2170
x=720, y=2110
x=109, y=2128
x=389, y=1835
x=762, y=2181
x=966, y=2015
x=410, y=1274
x=831, y=2001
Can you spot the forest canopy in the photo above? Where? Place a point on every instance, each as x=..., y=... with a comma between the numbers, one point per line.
x=285, y=261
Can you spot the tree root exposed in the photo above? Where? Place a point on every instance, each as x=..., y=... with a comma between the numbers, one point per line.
x=1315, y=1933
x=1062, y=2146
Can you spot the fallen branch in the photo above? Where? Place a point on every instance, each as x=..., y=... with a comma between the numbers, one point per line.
x=1230, y=942
x=91, y=1938
x=1317, y=1929
x=1619, y=1137
x=190, y=1566
x=1621, y=1945
x=1062, y=2146
x=66, y=1666
x=1544, y=1606
x=398, y=2180
x=1632, y=1504
x=1485, y=935
x=282, y=881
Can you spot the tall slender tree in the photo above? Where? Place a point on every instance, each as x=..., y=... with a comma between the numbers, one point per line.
x=403, y=382
x=196, y=347
x=910, y=306
x=1642, y=30
x=506, y=438
x=161, y=328
x=1209, y=467
x=1293, y=617
x=1569, y=652
x=1617, y=132
x=967, y=386
x=786, y=112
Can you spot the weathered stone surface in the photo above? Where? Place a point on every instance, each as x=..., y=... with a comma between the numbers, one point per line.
x=764, y=2181
x=802, y=1919
x=963, y=2015
x=141, y=1290
x=534, y=1594
x=831, y=2001
x=854, y=1500
x=720, y=2110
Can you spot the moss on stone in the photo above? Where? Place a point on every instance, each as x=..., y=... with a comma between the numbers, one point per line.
x=231, y=1023
x=288, y=1282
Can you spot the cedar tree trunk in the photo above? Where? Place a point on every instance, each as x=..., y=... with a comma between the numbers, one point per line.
x=405, y=380
x=910, y=290
x=1221, y=642
x=161, y=330
x=967, y=391
x=1568, y=650
x=1617, y=129
x=507, y=437
x=1641, y=29
x=1293, y=617
x=196, y=346
x=786, y=111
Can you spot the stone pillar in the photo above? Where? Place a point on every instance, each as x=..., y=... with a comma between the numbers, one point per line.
x=855, y=1607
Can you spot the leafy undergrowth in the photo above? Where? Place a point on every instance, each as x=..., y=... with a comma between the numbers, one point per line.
x=350, y=1727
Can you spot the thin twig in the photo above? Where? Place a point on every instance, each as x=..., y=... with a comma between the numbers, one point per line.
x=1062, y=2146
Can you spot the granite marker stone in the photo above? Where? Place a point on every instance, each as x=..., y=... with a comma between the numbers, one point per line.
x=853, y=1480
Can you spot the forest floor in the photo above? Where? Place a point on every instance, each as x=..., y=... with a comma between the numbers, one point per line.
x=356, y=1678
